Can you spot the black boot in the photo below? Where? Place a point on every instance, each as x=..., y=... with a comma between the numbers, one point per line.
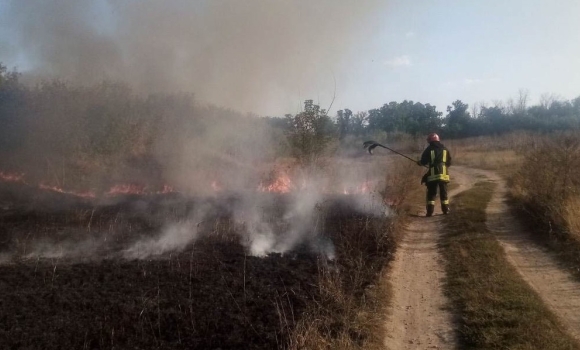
x=445, y=208
x=430, y=209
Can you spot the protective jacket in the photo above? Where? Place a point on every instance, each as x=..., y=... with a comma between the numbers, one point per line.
x=438, y=158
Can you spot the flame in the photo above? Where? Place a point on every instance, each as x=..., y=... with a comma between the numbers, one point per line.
x=166, y=189
x=282, y=184
x=363, y=188
x=87, y=194
x=215, y=186
x=115, y=190
x=11, y=177
x=125, y=189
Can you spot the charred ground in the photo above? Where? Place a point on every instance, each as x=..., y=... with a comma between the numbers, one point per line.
x=67, y=281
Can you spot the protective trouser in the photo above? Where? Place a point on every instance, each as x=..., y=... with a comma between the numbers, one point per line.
x=432, y=194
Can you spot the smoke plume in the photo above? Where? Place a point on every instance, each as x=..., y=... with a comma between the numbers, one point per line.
x=262, y=56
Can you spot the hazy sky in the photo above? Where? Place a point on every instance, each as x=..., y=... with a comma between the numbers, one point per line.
x=267, y=56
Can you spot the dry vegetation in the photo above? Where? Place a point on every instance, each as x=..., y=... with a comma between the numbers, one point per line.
x=547, y=191
x=212, y=293
x=497, y=309
x=352, y=309
x=498, y=153
x=544, y=186
x=69, y=275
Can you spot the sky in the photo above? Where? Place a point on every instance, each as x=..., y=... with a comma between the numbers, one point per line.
x=268, y=56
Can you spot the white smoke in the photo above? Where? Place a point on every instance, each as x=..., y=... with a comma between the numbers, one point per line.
x=87, y=248
x=263, y=222
x=251, y=55
x=174, y=238
x=5, y=258
x=302, y=220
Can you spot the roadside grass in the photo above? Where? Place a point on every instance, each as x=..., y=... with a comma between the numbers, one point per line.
x=502, y=154
x=496, y=308
x=546, y=192
x=502, y=161
x=351, y=310
x=562, y=241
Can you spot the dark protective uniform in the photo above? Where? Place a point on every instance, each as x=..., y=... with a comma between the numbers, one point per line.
x=438, y=158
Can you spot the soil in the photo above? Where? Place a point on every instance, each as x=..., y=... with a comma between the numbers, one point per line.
x=421, y=317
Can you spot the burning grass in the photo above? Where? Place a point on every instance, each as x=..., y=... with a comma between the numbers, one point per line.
x=172, y=271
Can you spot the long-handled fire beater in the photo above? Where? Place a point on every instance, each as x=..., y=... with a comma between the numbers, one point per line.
x=370, y=145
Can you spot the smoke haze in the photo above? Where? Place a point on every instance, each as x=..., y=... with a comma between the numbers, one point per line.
x=252, y=55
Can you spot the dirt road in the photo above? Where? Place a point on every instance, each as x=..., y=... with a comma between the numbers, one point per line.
x=420, y=316
x=540, y=270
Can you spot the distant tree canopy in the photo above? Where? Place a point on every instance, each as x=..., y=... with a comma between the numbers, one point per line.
x=407, y=117
x=11, y=97
x=415, y=118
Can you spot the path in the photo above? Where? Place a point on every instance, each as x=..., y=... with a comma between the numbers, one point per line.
x=557, y=288
x=420, y=317
x=419, y=314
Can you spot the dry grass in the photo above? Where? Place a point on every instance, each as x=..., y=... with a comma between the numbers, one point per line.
x=354, y=293
x=497, y=309
x=342, y=319
x=503, y=154
x=571, y=209
x=503, y=162
x=546, y=191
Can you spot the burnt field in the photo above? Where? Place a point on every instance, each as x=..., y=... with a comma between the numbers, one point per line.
x=169, y=271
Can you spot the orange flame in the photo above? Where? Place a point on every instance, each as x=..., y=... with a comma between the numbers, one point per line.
x=125, y=189
x=363, y=188
x=11, y=177
x=215, y=186
x=166, y=189
x=282, y=184
x=136, y=189
x=88, y=194
x=115, y=190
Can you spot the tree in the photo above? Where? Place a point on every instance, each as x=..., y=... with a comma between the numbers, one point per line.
x=309, y=132
x=12, y=127
x=458, y=120
x=359, y=122
x=343, y=122
x=8, y=78
x=493, y=120
x=407, y=117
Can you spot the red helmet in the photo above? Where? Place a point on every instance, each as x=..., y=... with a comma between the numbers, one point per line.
x=432, y=137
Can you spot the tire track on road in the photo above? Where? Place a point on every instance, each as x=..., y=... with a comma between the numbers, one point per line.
x=557, y=287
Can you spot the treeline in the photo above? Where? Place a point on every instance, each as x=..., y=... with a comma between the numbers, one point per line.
x=415, y=118
x=93, y=134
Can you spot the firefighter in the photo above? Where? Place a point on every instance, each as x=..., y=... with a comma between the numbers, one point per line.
x=438, y=158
